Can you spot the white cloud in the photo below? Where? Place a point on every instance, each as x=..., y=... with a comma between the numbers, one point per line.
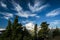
x=18, y=8
x=25, y=14
x=22, y=13
x=54, y=23
x=1, y=29
x=53, y=13
x=7, y=15
x=37, y=16
x=26, y=21
x=37, y=6
x=30, y=26
x=3, y=5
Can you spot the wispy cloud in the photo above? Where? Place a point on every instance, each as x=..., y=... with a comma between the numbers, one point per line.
x=55, y=23
x=53, y=13
x=7, y=15
x=20, y=11
x=25, y=14
x=37, y=6
x=1, y=29
x=3, y=4
x=37, y=16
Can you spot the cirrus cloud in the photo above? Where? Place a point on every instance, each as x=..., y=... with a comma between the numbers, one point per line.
x=3, y=5
x=53, y=13
x=21, y=12
x=54, y=23
x=38, y=6
x=6, y=15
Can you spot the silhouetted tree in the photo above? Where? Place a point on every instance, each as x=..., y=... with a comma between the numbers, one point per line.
x=19, y=32
x=9, y=30
x=43, y=33
x=56, y=32
x=35, y=31
x=26, y=34
x=7, y=34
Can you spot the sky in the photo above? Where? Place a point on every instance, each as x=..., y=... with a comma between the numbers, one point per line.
x=30, y=12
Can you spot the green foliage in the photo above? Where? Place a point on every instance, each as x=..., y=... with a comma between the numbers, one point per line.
x=35, y=31
x=16, y=31
x=56, y=32
x=43, y=33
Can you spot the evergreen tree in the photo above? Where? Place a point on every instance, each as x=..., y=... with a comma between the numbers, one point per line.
x=43, y=33
x=7, y=34
x=26, y=35
x=15, y=25
x=9, y=30
x=35, y=31
x=19, y=32
x=56, y=32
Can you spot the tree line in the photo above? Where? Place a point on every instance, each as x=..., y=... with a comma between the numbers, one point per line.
x=16, y=31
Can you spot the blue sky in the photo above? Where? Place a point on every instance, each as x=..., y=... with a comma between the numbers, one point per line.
x=30, y=12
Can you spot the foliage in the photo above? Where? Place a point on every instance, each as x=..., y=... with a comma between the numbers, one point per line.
x=16, y=31
x=56, y=32
x=43, y=33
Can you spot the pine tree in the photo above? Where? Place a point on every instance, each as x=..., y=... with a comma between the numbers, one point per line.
x=15, y=23
x=35, y=31
x=8, y=29
x=7, y=34
x=43, y=33
x=56, y=32
x=26, y=35
x=14, y=27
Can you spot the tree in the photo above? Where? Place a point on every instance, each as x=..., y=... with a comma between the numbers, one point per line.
x=35, y=31
x=7, y=34
x=26, y=35
x=9, y=30
x=14, y=28
x=43, y=33
x=15, y=23
x=19, y=32
x=56, y=32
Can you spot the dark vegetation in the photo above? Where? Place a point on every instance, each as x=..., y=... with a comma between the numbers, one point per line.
x=16, y=31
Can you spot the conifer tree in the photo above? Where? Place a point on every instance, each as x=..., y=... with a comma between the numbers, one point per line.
x=14, y=27
x=7, y=34
x=56, y=32
x=35, y=31
x=43, y=33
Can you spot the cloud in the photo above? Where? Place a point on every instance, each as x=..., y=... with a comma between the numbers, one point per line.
x=27, y=21
x=54, y=23
x=3, y=5
x=20, y=11
x=37, y=16
x=53, y=13
x=1, y=29
x=37, y=6
x=7, y=15
x=25, y=14
x=30, y=26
